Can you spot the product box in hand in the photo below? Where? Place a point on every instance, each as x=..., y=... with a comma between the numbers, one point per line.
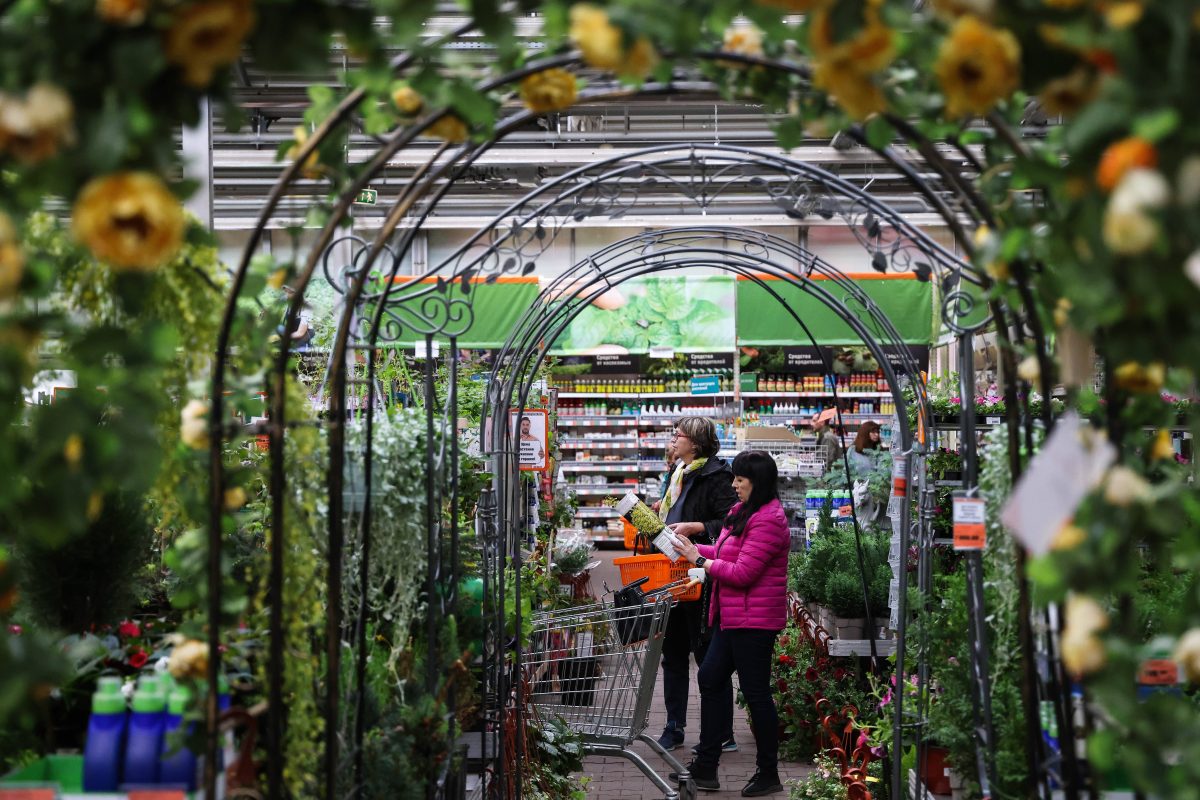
x=642, y=517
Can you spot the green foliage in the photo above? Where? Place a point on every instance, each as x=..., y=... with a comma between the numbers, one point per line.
x=555, y=751
x=823, y=783
x=93, y=579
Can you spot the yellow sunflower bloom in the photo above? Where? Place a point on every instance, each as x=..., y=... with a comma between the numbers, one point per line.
x=406, y=99
x=206, y=36
x=449, y=129
x=129, y=220
x=12, y=258
x=122, y=12
x=549, y=90
x=602, y=44
x=856, y=92
x=977, y=66
x=1066, y=96
x=870, y=49
x=1142, y=378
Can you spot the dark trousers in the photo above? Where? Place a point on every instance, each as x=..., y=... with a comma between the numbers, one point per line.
x=681, y=642
x=748, y=652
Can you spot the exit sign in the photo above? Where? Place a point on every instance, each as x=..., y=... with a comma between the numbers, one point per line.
x=367, y=197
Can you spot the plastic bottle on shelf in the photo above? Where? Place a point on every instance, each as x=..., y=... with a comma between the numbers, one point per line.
x=102, y=753
x=143, y=747
x=178, y=769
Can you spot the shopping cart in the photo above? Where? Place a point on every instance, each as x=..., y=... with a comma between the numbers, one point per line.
x=594, y=667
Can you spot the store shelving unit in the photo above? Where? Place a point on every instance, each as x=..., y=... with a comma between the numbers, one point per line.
x=608, y=452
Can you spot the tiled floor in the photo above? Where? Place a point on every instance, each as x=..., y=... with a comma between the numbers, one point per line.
x=619, y=779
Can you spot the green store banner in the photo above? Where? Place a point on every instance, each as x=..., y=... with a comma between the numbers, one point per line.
x=496, y=308
x=762, y=320
x=682, y=313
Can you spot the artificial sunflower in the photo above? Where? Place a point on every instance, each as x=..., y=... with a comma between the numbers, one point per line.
x=856, y=92
x=978, y=66
x=448, y=128
x=129, y=220
x=602, y=43
x=1133, y=376
x=1067, y=95
x=406, y=99
x=871, y=48
x=549, y=90
x=206, y=36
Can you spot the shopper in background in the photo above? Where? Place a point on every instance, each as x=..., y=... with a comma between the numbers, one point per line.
x=699, y=494
x=747, y=570
x=865, y=443
x=829, y=444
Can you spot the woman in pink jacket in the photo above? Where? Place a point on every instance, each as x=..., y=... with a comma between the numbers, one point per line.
x=748, y=568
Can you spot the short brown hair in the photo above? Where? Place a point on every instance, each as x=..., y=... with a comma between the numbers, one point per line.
x=702, y=432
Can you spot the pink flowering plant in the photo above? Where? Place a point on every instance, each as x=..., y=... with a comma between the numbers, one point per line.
x=823, y=783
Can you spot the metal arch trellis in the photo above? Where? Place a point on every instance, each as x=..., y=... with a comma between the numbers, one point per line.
x=530, y=344
x=515, y=238
x=415, y=191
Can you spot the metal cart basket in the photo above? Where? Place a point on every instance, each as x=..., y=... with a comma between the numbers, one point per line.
x=594, y=667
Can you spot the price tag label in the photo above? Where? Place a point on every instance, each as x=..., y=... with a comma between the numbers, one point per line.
x=993, y=420
x=970, y=532
x=1158, y=672
x=899, y=475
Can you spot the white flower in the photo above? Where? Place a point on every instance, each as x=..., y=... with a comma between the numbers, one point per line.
x=1082, y=650
x=1123, y=487
x=1187, y=653
x=1191, y=268
x=1084, y=615
x=193, y=427
x=743, y=39
x=1139, y=190
x=1029, y=370
x=1187, y=181
x=1129, y=232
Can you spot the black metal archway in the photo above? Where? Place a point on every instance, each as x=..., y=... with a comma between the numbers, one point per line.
x=428, y=311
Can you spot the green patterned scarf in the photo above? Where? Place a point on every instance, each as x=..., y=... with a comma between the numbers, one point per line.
x=675, y=488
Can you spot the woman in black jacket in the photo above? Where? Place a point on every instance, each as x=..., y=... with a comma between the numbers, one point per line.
x=699, y=494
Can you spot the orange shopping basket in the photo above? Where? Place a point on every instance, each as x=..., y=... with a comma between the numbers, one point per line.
x=660, y=571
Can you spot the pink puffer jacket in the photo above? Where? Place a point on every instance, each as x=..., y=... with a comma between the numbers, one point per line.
x=749, y=572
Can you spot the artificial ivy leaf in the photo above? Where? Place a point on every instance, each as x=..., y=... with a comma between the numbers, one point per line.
x=923, y=271
x=879, y=261
x=872, y=225
x=529, y=268
x=789, y=132
x=880, y=133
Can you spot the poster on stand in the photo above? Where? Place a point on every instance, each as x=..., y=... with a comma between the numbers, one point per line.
x=529, y=431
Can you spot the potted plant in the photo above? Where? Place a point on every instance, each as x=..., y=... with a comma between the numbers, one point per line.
x=844, y=589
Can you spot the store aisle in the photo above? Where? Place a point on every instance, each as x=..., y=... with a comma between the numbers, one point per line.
x=618, y=779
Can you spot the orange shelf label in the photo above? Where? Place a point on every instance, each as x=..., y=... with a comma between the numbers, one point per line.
x=970, y=530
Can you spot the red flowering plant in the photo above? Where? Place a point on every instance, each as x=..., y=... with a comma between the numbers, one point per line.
x=801, y=677
x=125, y=648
